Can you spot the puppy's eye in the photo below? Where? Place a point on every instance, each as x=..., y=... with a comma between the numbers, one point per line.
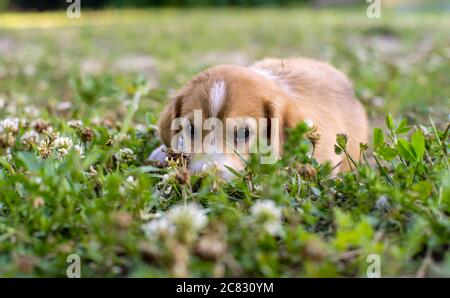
x=242, y=134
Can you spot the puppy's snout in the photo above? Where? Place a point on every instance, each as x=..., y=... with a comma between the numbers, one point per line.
x=204, y=162
x=219, y=161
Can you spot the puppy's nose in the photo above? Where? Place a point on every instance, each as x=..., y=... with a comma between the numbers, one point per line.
x=217, y=161
x=159, y=155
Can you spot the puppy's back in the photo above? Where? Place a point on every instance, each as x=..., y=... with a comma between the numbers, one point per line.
x=325, y=95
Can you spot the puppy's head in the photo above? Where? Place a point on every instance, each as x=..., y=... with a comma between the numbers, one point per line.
x=222, y=115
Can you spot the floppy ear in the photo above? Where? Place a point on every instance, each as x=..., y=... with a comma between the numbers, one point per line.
x=280, y=110
x=171, y=112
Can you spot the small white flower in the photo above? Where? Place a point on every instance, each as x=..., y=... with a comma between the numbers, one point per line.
x=96, y=120
x=165, y=178
x=122, y=190
x=31, y=111
x=23, y=122
x=120, y=137
x=185, y=219
x=191, y=216
x=37, y=180
x=45, y=148
x=8, y=155
x=64, y=106
x=309, y=123
x=75, y=123
x=79, y=150
x=140, y=128
x=158, y=228
x=29, y=139
x=9, y=125
x=125, y=155
x=11, y=109
x=62, y=145
x=131, y=180
x=63, y=142
x=268, y=215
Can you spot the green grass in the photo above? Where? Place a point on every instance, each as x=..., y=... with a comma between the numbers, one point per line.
x=109, y=206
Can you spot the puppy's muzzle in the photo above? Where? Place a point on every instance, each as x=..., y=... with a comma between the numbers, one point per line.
x=203, y=162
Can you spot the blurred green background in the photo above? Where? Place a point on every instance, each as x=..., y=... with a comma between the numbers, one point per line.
x=58, y=4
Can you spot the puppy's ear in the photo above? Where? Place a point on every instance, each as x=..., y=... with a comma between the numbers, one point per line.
x=171, y=112
x=281, y=111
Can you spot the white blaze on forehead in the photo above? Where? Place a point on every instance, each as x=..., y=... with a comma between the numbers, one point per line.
x=217, y=96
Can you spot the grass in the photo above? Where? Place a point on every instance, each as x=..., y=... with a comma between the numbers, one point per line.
x=93, y=194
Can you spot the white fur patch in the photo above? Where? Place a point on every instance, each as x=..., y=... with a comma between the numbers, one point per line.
x=159, y=155
x=273, y=77
x=204, y=162
x=217, y=96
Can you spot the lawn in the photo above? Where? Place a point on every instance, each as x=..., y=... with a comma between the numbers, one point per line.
x=74, y=177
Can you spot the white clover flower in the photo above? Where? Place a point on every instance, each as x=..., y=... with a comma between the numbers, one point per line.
x=190, y=216
x=9, y=125
x=45, y=148
x=79, y=150
x=268, y=215
x=309, y=123
x=31, y=111
x=158, y=228
x=125, y=155
x=11, y=109
x=130, y=180
x=23, y=122
x=183, y=220
x=8, y=155
x=120, y=137
x=122, y=190
x=37, y=180
x=96, y=120
x=75, y=123
x=29, y=139
x=140, y=128
x=62, y=145
x=64, y=106
x=211, y=247
x=129, y=183
x=165, y=178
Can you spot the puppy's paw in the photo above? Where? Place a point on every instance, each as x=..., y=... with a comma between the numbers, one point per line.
x=159, y=154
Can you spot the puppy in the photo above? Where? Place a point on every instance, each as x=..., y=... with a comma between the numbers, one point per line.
x=289, y=91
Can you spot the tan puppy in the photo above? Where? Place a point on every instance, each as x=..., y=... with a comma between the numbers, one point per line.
x=290, y=90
